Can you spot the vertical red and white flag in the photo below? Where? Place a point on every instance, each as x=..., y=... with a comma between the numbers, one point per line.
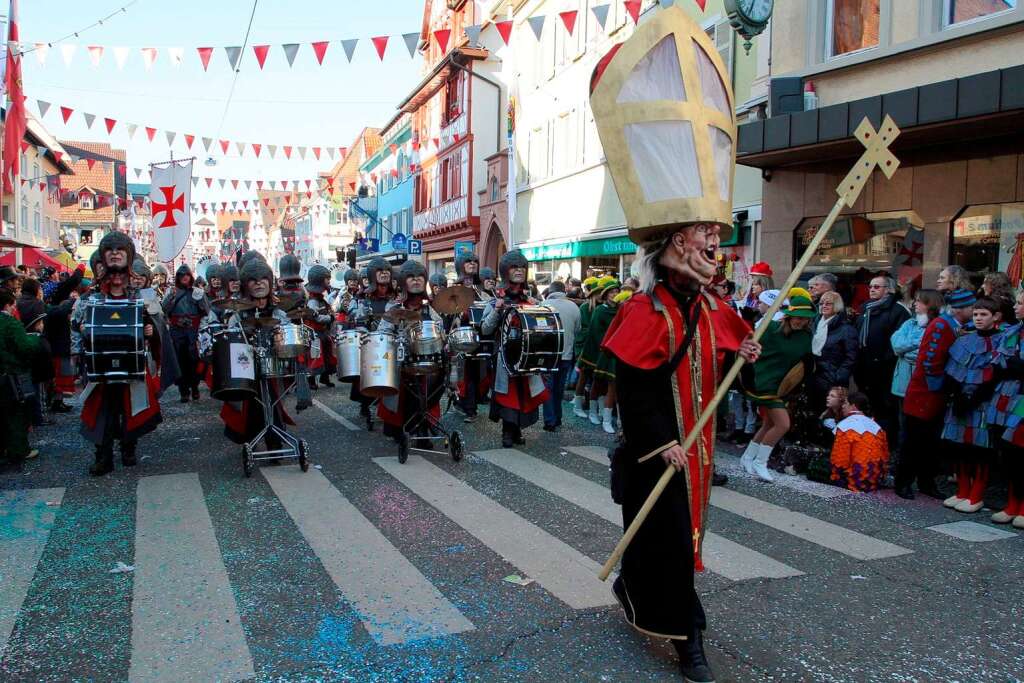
x=14, y=130
x=169, y=197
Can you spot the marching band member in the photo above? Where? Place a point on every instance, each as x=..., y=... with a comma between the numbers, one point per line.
x=291, y=294
x=516, y=398
x=488, y=283
x=290, y=282
x=366, y=311
x=123, y=411
x=317, y=282
x=476, y=370
x=185, y=306
x=394, y=411
x=160, y=277
x=666, y=338
x=243, y=420
x=347, y=296
x=214, y=281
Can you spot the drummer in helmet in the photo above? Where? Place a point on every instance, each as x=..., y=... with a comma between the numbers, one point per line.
x=289, y=284
x=488, y=282
x=368, y=310
x=394, y=411
x=243, y=420
x=476, y=376
x=160, y=278
x=123, y=411
x=347, y=296
x=516, y=398
x=322, y=324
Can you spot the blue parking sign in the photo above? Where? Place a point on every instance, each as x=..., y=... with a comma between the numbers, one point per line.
x=416, y=247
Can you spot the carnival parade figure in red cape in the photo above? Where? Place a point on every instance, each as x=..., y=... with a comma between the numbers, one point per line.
x=117, y=410
x=516, y=398
x=243, y=420
x=665, y=116
x=419, y=393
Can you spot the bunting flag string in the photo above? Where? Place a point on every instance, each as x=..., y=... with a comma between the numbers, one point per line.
x=234, y=57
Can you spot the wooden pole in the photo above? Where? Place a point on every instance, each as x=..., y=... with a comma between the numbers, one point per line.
x=876, y=154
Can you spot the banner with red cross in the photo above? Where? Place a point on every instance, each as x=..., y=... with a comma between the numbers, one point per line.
x=169, y=199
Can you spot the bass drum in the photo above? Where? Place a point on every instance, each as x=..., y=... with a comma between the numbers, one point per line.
x=233, y=367
x=530, y=340
x=378, y=365
x=113, y=342
x=347, y=351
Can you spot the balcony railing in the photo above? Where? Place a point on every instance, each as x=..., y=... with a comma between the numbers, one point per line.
x=456, y=126
x=451, y=211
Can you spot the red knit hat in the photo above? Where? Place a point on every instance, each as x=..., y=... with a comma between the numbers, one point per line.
x=761, y=268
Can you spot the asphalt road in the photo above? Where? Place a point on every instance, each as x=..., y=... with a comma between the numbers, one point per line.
x=364, y=569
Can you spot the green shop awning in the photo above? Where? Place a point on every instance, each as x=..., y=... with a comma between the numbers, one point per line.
x=609, y=246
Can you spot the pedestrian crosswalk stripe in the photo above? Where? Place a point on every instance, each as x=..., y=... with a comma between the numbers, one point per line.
x=721, y=556
x=595, y=453
x=340, y=419
x=395, y=602
x=832, y=536
x=730, y=465
x=185, y=624
x=560, y=569
x=972, y=531
x=26, y=518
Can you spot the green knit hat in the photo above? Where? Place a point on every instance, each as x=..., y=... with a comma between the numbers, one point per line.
x=800, y=306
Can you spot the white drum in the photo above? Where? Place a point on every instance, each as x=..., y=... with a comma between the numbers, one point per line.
x=378, y=365
x=347, y=351
x=291, y=341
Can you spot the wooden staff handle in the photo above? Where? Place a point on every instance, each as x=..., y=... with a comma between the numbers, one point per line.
x=723, y=389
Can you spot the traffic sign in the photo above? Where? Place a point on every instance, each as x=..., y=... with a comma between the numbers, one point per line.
x=399, y=242
x=463, y=247
x=416, y=247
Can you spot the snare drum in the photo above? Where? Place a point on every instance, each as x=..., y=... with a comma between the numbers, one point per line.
x=346, y=349
x=530, y=340
x=275, y=366
x=291, y=341
x=378, y=365
x=464, y=339
x=113, y=341
x=233, y=367
x=485, y=343
x=425, y=337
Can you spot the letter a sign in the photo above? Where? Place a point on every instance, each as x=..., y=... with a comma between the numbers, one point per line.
x=169, y=201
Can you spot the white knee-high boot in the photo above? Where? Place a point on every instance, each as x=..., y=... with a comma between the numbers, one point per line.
x=764, y=452
x=606, y=420
x=595, y=409
x=577, y=407
x=747, y=459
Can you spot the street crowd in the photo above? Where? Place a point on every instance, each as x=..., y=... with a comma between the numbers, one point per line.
x=863, y=386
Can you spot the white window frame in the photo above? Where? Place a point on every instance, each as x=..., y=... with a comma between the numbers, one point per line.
x=829, y=10
x=947, y=6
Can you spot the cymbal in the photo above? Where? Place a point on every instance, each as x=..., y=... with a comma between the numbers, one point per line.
x=266, y=322
x=398, y=315
x=454, y=299
x=287, y=302
x=301, y=313
x=233, y=304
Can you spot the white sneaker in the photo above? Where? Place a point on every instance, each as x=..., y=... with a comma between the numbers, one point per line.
x=577, y=407
x=966, y=505
x=606, y=421
x=595, y=417
x=953, y=501
x=1001, y=517
x=1018, y=522
x=747, y=460
x=764, y=452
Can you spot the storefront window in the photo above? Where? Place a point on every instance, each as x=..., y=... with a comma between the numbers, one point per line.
x=957, y=11
x=989, y=238
x=860, y=246
x=852, y=25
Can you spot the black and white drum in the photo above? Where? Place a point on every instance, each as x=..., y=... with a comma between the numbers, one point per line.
x=485, y=343
x=378, y=365
x=233, y=367
x=113, y=341
x=530, y=340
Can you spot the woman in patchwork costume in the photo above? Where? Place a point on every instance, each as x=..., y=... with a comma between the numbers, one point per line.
x=1006, y=409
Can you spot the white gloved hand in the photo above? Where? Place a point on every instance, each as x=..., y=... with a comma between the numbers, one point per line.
x=197, y=294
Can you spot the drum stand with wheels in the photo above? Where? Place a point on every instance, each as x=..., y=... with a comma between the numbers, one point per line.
x=293, y=447
x=451, y=440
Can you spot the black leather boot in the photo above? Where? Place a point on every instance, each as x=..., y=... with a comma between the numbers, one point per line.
x=692, y=660
x=128, y=458
x=507, y=437
x=104, y=461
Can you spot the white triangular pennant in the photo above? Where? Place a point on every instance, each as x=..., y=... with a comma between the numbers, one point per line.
x=330, y=153
x=411, y=41
x=349, y=46
x=132, y=127
x=67, y=51
x=120, y=56
x=537, y=24
x=89, y=118
x=601, y=14
x=42, y=49
x=43, y=108
x=302, y=153
x=170, y=138
x=473, y=33
x=272, y=149
x=176, y=55
x=207, y=142
x=222, y=181
x=240, y=146
x=234, y=54
x=248, y=184
x=290, y=50
x=138, y=173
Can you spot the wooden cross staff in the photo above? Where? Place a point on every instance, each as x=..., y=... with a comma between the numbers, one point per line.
x=877, y=155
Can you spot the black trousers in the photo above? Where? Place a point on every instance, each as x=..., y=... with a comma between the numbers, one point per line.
x=919, y=453
x=186, y=351
x=114, y=422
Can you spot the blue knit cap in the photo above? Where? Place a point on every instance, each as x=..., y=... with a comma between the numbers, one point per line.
x=961, y=298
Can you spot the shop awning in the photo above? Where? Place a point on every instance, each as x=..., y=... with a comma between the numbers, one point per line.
x=608, y=246
x=33, y=258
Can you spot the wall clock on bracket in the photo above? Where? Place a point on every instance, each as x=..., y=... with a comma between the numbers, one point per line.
x=749, y=17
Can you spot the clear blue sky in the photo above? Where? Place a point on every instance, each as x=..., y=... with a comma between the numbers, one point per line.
x=307, y=104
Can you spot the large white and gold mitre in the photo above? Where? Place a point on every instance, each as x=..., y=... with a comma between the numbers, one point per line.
x=663, y=106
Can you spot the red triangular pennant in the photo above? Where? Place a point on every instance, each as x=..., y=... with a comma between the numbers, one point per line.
x=381, y=43
x=204, y=56
x=504, y=29
x=224, y=146
x=320, y=49
x=110, y=125
x=442, y=36
x=259, y=184
x=266, y=201
x=66, y=112
x=150, y=132
x=701, y=3
x=90, y=163
x=209, y=182
x=437, y=143
x=569, y=19
x=189, y=139
x=316, y=153
x=234, y=183
x=288, y=151
x=256, y=148
x=261, y=54
x=352, y=184
x=633, y=7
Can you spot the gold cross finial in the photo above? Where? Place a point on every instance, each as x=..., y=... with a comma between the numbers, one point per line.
x=876, y=154
x=696, y=538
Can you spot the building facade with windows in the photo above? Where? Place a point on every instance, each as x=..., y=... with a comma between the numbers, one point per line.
x=558, y=155
x=387, y=176
x=950, y=74
x=92, y=196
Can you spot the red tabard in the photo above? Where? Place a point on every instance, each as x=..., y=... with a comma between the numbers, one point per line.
x=646, y=338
